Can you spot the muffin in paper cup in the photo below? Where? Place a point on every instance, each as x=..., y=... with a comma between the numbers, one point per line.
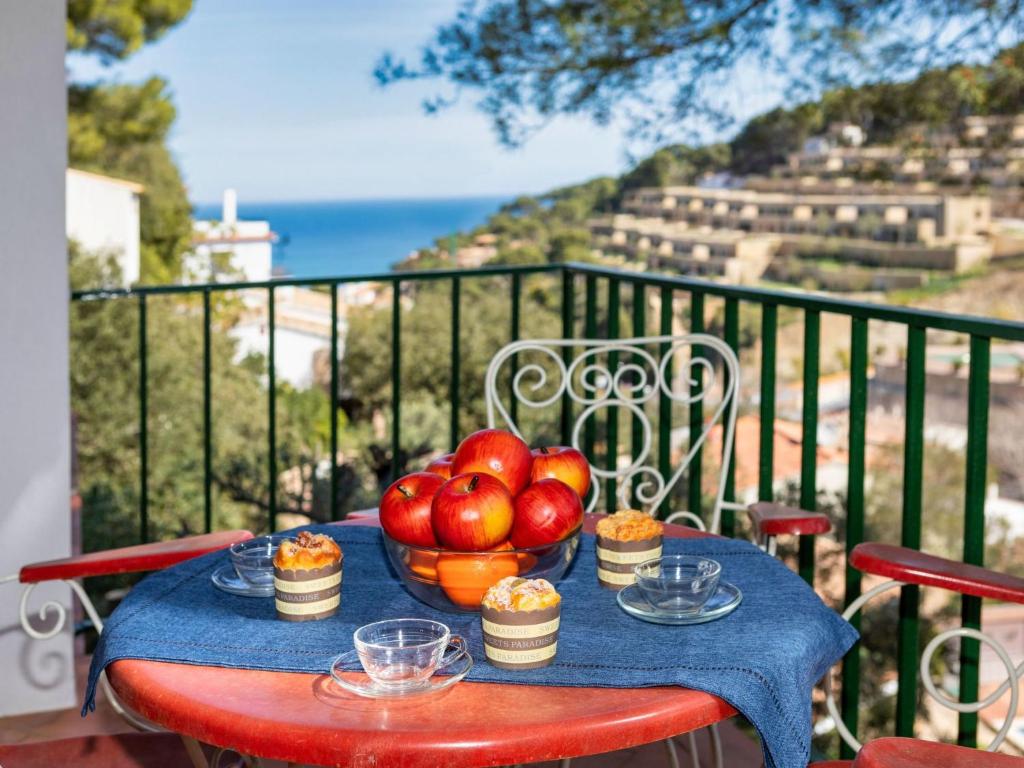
x=624, y=540
x=520, y=619
x=307, y=578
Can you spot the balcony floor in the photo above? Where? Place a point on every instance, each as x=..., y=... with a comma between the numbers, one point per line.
x=63, y=724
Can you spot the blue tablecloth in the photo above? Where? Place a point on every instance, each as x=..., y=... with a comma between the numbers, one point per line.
x=763, y=659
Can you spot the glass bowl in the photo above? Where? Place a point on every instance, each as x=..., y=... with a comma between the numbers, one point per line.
x=254, y=559
x=678, y=583
x=456, y=581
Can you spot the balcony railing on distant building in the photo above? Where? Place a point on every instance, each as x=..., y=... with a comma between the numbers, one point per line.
x=590, y=293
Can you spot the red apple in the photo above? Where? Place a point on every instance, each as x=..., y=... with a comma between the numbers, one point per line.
x=405, y=509
x=545, y=512
x=562, y=463
x=497, y=453
x=441, y=466
x=472, y=512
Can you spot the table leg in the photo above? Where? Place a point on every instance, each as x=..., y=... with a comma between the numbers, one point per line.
x=195, y=752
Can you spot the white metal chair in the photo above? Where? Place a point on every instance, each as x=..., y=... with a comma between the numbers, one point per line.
x=639, y=379
x=71, y=571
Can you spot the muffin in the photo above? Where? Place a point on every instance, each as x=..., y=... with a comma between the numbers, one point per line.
x=520, y=622
x=307, y=578
x=625, y=539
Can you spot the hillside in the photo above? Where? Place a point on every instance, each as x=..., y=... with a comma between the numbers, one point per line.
x=553, y=226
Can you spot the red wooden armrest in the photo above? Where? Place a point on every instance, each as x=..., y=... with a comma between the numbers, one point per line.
x=362, y=514
x=142, y=557
x=915, y=567
x=772, y=519
x=893, y=752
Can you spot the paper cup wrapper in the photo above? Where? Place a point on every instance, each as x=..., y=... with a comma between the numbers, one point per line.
x=520, y=639
x=617, y=559
x=307, y=595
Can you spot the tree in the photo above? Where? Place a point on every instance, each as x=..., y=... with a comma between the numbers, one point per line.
x=658, y=63
x=105, y=400
x=114, y=29
x=677, y=164
x=121, y=129
x=426, y=366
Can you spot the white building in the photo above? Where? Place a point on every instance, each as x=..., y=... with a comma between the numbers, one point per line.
x=231, y=248
x=302, y=330
x=102, y=216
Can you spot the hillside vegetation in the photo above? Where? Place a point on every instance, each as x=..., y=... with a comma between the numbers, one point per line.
x=551, y=226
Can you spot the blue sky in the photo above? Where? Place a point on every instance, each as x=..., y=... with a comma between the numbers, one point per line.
x=277, y=99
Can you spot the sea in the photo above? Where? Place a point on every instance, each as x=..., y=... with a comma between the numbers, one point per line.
x=357, y=237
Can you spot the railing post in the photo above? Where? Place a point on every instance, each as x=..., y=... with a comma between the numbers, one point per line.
x=396, y=378
x=590, y=332
x=639, y=330
x=453, y=392
x=664, y=401
x=732, y=338
x=913, y=461
x=809, y=437
x=272, y=409
x=334, y=402
x=513, y=405
x=766, y=449
x=974, y=527
x=694, y=497
x=612, y=431
x=855, y=516
x=143, y=425
x=568, y=332
x=207, y=418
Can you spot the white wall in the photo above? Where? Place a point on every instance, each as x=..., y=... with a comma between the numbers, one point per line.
x=294, y=350
x=103, y=216
x=34, y=410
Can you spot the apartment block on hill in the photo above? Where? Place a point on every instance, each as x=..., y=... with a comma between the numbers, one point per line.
x=744, y=234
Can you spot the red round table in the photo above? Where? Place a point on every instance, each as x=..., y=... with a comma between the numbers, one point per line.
x=300, y=718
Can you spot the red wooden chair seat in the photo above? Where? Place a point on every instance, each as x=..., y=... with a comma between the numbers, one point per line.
x=142, y=557
x=123, y=750
x=912, y=753
x=915, y=567
x=361, y=514
x=770, y=519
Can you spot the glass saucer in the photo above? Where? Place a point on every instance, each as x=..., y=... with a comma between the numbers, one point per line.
x=226, y=578
x=458, y=668
x=725, y=600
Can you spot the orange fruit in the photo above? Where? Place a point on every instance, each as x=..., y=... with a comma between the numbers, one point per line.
x=526, y=561
x=466, y=577
x=423, y=564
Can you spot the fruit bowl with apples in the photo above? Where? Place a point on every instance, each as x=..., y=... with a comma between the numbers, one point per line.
x=490, y=510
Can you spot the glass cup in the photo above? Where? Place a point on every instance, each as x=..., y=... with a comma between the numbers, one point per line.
x=254, y=559
x=399, y=654
x=678, y=583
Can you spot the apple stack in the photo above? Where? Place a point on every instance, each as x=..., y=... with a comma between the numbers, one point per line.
x=493, y=495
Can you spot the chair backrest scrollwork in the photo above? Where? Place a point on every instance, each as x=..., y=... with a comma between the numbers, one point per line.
x=639, y=379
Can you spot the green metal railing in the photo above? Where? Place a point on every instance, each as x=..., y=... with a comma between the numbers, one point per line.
x=641, y=288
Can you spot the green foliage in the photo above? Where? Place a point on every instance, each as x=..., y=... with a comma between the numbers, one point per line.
x=677, y=164
x=105, y=400
x=114, y=29
x=767, y=139
x=426, y=364
x=659, y=65
x=121, y=130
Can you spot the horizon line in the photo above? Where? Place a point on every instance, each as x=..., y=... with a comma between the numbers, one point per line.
x=414, y=199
